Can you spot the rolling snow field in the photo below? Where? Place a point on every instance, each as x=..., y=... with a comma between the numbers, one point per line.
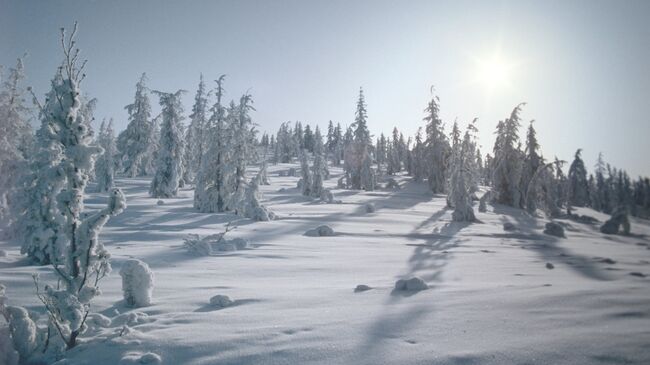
x=494, y=297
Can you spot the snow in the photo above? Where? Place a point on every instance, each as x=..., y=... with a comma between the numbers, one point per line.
x=491, y=299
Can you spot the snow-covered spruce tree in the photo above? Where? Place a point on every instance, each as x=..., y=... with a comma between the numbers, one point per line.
x=243, y=138
x=358, y=162
x=380, y=150
x=305, y=183
x=394, y=155
x=16, y=140
x=418, y=155
x=134, y=142
x=320, y=172
x=104, y=168
x=438, y=148
x=169, y=169
x=85, y=261
x=308, y=138
x=460, y=192
x=284, y=146
x=195, y=135
x=508, y=161
x=578, y=189
x=263, y=175
x=212, y=190
x=248, y=203
x=532, y=163
x=40, y=221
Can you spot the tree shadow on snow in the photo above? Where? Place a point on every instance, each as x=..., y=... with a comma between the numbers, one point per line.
x=548, y=248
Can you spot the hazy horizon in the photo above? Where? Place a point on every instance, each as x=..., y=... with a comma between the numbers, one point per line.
x=583, y=67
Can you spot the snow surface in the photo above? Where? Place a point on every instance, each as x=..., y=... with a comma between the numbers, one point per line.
x=491, y=299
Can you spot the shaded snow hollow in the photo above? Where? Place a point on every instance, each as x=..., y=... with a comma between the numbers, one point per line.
x=491, y=299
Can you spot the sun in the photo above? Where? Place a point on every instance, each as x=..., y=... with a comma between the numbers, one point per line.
x=494, y=72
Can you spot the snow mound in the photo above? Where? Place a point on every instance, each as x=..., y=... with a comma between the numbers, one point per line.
x=131, y=319
x=370, y=208
x=160, y=202
x=508, y=226
x=198, y=246
x=550, y=266
x=137, y=283
x=221, y=301
x=411, y=284
x=3, y=253
x=554, y=229
x=361, y=288
x=96, y=321
x=140, y=358
x=320, y=231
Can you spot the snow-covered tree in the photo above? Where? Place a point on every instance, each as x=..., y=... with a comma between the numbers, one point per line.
x=532, y=163
x=578, y=189
x=461, y=175
x=15, y=143
x=195, y=144
x=438, y=148
x=212, y=192
x=169, y=169
x=84, y=262
x=104, y=168
x=320, y=172
x=134, y=143
x=306, y=176
x=508, y=161
x=358, y=161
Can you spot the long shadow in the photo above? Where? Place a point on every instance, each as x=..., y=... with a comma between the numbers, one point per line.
x=551, y=250
x=427, y=261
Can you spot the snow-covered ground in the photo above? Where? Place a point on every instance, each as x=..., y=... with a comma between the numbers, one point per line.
x=492, y=297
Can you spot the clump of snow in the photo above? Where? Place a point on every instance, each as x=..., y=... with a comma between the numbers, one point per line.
x=221, y=301
x=96, y=321
x=361, y=287
x=509, y=226
x=320, y=231
x=554, y=229
x=137, y=283
x=3, y=253
x=160, y=202
x=411, y=284
x=8, y=355
x=370, y=208
x=550, y=266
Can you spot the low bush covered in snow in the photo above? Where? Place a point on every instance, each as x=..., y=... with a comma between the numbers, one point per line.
x=554, y=229
x=320, y=231
x=137, y=283
x=411, y=284
x=221, y=301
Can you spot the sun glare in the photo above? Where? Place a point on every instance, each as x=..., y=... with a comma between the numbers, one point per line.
x=494, y=73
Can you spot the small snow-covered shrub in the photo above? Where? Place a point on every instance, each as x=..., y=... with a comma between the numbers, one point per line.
x=508, y=226
x=131, y=319
x=160, y=202
x=554, y=229
x=411, y=284
x=137, y=283
x=618, y=219
x=221, y=301
x=320, y=231
x=198, y=246
x=392, y=184
x=370, y=208
x=326, y=196
x=3, y=253
x=22, y=329
x=361, y=287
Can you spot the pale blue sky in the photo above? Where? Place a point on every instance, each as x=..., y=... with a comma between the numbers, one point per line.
x=582, y=66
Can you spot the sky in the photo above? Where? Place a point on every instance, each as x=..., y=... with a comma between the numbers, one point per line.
x=582, y=67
